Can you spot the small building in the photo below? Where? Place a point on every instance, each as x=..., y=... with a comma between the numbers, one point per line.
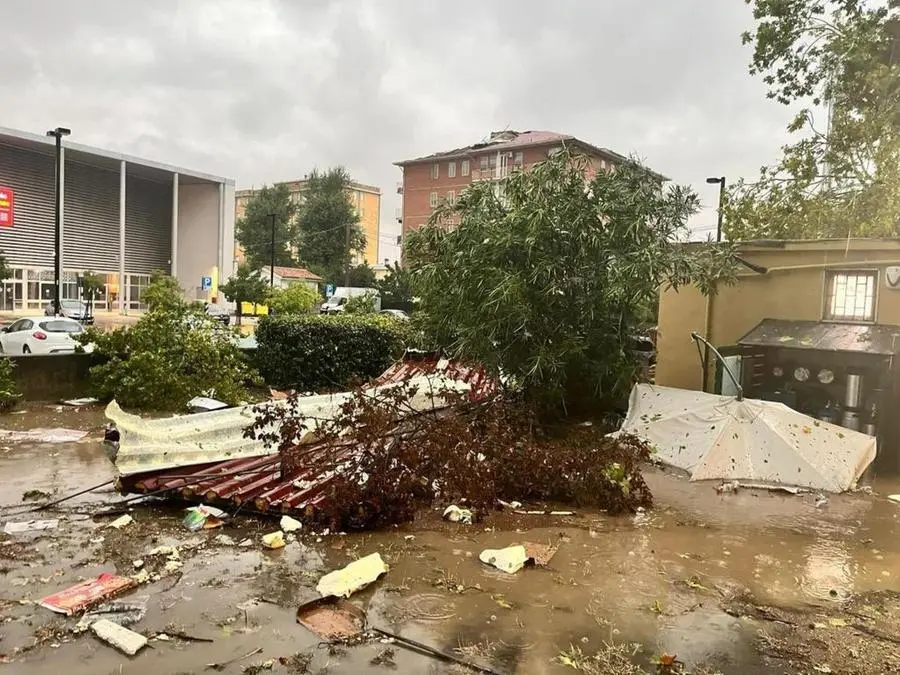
x=291, y=276
x=814, y=324
x=122, y=217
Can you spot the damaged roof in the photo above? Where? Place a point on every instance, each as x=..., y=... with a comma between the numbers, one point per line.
x=824, y=336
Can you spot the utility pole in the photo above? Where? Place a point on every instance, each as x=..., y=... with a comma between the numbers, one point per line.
x=58, y=134
x=272, y=254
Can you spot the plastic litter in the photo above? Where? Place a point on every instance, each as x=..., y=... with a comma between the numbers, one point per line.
x=514, y=558
x=122, y=612
x=224, y=539
x=205, y=404
x=288, y=524
x=274, y=540
x=346, y=581
x=204, y=518
x=78, y=402
x=457, y=515
x=126, y=641
x=121, y=522
x=86, y=594
x=894, y=498
x=30, y=526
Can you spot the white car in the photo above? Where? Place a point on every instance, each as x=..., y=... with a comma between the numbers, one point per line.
x=41, y=335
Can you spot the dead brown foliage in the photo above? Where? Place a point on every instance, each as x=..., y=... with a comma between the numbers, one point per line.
x=383, y=460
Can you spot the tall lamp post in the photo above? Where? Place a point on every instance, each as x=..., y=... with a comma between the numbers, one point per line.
x=721, y=182
x=58, y=134
x=272, y=254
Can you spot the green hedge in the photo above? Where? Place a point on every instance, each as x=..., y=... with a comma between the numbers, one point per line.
x=320, y=352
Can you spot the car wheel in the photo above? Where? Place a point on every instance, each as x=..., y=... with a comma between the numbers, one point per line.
x=26, y=349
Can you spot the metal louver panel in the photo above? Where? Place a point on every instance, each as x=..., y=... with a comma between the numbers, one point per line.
x=148, y=226
x=31, y=176
x=91, y=219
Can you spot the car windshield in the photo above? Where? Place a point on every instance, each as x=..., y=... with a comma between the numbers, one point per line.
x=59, y=326
x=334, y=300
x=70, y=304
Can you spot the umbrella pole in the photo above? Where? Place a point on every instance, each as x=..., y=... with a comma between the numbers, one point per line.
x=699, y=338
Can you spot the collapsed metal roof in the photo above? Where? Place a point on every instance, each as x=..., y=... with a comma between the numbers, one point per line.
x=831, y=336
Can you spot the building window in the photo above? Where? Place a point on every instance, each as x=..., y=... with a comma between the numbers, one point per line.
x=433, y=200
x=603, y=165
x=484, y=162
x=464, y=168
x=850, y=296
x=435, y=171
x=451, y=197
x=519, y=159
x=451, y=170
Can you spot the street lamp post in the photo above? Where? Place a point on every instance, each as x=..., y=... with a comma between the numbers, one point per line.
x=272, y=254
x=58, y=134
x=721, y=182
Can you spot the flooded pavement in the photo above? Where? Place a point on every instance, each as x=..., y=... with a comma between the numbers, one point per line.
x=691, y=577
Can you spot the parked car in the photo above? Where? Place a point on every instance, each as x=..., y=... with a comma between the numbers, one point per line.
x=41, y=335
x=396, y=313
x=336, y=303
x=218, y=313
x=71, y=309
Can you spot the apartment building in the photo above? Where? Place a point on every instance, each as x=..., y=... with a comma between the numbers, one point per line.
x=366, y=199
x=429, y=180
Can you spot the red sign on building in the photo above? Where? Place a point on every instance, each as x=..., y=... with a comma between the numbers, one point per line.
x=7, y=203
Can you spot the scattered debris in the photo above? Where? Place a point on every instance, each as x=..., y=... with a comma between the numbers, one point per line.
x=30, y=526
x=30, y=495
x=86, y=594
x=894, y=498
x=332, y=618
x=122, y=612
x=790, y=489
x=205, y=404
x=545, y=513
x=457, y=515
x=43, y=435
x=274, y=540
x=221, y=666
x=137, y=564
x=288, y=524
x=224, y=539
x=123, y=639
x=821, y=500
x=510, y=505
x=728, y=487
x=204, y=518
x=358, y=574
x=384, y=658
x=245, y=543
x=121, y=522
x=79, y=402
x=514, y=558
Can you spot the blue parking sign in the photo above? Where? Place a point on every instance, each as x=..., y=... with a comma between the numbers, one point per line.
x=206, y=283
x=329, y=290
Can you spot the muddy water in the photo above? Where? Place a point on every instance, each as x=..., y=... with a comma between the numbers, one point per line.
x=656, y=578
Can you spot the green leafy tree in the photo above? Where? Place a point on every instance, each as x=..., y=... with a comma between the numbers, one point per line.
x=254, y=230
x=361, y=276
x=9, y=392
x=163, y=292
x=361, y=304
x=92, y=284
x=323, y=221
x=544, y=279
x=838, y=62
x=396, y=289
x=172, y=354
x=245, y=286
x=295, y=299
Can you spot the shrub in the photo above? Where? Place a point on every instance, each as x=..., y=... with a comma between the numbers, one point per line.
x=319, y=352
x=361, y=304
x=8, y=390
x=167, y=358
x=295, y=299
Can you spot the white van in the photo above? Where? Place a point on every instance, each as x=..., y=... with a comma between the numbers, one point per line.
x=343, y=293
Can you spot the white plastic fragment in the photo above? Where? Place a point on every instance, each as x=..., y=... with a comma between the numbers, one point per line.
x=126, y=641
x=345, y=582
x=509, y=560
x=121, y=522
x=457, y=515
x=30, y=526
x=288, y=524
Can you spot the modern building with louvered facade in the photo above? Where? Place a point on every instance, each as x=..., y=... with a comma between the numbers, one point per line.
x=122, y=217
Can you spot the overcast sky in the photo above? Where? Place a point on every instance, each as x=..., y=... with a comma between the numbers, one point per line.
x=264, y=90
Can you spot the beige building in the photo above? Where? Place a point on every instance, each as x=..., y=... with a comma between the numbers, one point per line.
x=366, y=199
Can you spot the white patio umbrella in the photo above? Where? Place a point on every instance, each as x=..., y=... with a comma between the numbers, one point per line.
x=722, y=437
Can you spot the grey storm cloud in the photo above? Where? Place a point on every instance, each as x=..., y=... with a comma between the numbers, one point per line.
x=266, y=90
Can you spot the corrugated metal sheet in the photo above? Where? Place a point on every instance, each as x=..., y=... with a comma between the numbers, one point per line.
x=31, y=176
x=268, y=484
x=148, y=226
x=824, y=336
x=91, y=235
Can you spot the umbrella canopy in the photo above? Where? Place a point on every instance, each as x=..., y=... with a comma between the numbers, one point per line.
x=719, y=437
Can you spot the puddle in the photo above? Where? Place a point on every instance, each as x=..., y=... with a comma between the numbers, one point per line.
x=656, y=578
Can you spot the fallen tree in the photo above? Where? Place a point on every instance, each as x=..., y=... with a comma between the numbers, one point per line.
x=380, y=460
